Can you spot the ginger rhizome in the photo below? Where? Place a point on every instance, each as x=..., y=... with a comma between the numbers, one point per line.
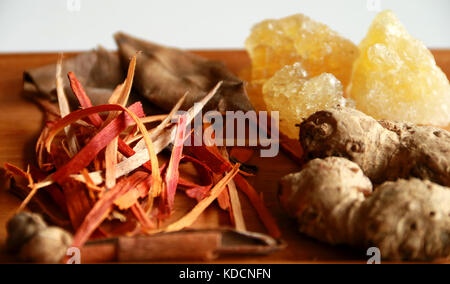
x=384, y=150
x=405, y=219
x=348, y=153
x=34, y=241
x=324, y=196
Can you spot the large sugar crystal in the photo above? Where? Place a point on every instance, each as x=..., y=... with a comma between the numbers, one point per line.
x=296, y=95
x=273, y=44
x=396, y=76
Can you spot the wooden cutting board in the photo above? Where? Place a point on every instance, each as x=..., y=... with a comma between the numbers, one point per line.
x=21, y=122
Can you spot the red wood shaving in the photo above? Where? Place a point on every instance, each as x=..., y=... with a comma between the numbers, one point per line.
x=77, y=201
x=194, y=190
x=74, y=116
x=215, y=161
x=172, y=173
x=95, y=118
x=211, y=156
x=198, y=192
x=142, y=217
x=257, y=202
x=84, y=100
x=15, y=170
x=242, y=154
x=83, y=158
x=224, y=200
x=89, y=204
x=54, y=191
x=219, y=165
x=102, y=208
x=141, y=188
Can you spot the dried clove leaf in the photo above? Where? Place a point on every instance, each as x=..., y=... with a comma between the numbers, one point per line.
x=163, y=75
x=99, y=71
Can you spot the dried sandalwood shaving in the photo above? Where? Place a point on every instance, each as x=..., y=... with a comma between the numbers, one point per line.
x=89, y=184
x=142, y=155
x=266, y=218
x=83, y=99
x=219, y=165
x=140, y=214
x=64, y=108
x=172, y=173
x=190, y=218
x=236, y=210
x=98, y=142
x=242, y=154
x=193, y=190
x=119, y=95
x=100, y=211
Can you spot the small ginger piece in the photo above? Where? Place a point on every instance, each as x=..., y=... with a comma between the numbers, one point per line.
x=29, y=236
x=47, y=246
x=396, y=77
x=21, y=228
x=323, y=197
x=384, y=150
x=406, y=219
x=295, y=94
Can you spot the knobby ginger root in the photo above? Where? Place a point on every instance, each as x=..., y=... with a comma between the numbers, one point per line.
x=47, y=246
x=324, y=196
x=33, y=241
x=384, y=150
x=406, y=219
x=424, y=152
x=21, y=228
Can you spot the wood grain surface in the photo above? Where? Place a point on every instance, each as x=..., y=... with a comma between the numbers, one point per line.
x=21, y=122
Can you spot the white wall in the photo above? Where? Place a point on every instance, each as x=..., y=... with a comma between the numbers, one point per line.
x=53, y=25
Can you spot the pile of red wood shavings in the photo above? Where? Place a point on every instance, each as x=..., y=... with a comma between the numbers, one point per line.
x=101, y=162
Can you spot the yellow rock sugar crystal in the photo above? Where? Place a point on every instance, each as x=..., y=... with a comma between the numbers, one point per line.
x=296, y=95
x=396, y=76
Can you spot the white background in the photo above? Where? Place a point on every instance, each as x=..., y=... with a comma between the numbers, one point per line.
x=53, y=25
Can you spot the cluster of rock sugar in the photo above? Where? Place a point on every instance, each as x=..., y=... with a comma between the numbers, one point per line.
x=300, y=66
x=293, y=91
